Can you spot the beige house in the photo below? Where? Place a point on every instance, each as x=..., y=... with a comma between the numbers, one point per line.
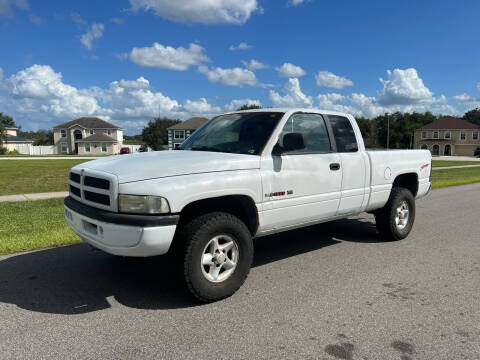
x=449, y=136
x=13, y=139
x=87, y=136
x=181, y=131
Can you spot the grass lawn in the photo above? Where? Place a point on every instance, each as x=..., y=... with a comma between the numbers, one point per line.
x=34, y=176
x=452, y=177
x=30, y=225
x=445, y=163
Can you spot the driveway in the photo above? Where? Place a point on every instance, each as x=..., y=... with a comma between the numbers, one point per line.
x=332, y=291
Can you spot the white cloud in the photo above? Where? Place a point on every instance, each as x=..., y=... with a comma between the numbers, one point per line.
x=95, y=32
x=121, y=56
x=331, y=102
x=235, y=104
x=330, y=80
x=253, y=65
x=201, y=107
x=233, y=77
x=465, y=98
x=77, y=19
x=118, y=21
x=1, y=74
x=296, y=2
x=404, y=87
x=241, y=46
x=6, y=6
x=200, y=11
x=294, y=97
x=478, y=86
x=167, y=57
x=290, y=70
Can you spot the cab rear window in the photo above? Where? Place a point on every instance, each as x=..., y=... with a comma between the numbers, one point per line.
x=343, y=133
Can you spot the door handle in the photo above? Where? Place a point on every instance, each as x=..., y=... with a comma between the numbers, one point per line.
x=334, y=166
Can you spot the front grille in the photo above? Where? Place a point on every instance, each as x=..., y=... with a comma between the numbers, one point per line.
x=94, y=188
x=97, y=198
x=96, y=182
x=76, y=191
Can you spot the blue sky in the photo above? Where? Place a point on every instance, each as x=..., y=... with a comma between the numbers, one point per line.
x=129, y=60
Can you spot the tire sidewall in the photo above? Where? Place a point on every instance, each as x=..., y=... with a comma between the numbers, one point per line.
x=401, y=195
x=218, y=224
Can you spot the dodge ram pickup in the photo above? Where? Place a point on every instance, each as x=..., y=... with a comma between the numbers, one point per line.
x=240, y=176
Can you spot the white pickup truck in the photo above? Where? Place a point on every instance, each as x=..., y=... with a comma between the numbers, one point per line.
x=240, y=176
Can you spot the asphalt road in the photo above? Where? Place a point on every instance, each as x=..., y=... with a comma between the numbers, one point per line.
x=332, y=291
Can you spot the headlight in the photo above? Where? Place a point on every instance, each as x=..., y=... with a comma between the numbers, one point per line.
x=139, y=204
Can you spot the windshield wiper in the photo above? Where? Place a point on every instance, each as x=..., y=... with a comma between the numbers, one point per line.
x=205, y=148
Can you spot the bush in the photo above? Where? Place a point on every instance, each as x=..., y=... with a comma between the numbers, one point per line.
x=3, y=151
x=13, y=152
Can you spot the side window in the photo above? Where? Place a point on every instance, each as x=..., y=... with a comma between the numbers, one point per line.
x=313, y=127
x=344, y=134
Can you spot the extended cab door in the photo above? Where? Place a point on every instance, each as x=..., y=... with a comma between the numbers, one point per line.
x=301, y=186
x=354, y=163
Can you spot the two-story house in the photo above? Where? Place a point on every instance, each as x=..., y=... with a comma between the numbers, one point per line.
x=181, y=131
x=448, y=135
x=87, y=136
x=13, y=139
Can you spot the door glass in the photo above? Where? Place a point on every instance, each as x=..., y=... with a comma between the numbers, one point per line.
x=313, y=127
x=344, y=134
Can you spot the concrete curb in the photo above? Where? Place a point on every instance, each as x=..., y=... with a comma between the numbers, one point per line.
x=37, y=196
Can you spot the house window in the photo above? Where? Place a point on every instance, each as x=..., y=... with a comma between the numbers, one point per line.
x=63, y=148
x=463, y=135
x=87, y=147
x=447, y=135
x=109, y=132
x=179, y=134
x=63, y=133
x=104, y=147
x=435, y=134
x=424, y=134
x=92, y=131
x=475, y=135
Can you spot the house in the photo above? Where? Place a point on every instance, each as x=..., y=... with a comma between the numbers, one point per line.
x=87, y=136
x=448, y=135
x=181, y=131
x=13, y=139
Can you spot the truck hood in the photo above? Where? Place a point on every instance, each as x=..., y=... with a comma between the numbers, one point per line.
x=158, y=164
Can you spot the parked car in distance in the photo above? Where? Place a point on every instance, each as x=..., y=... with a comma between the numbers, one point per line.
x=143, y=148
x=242, y=175
x=125, y=150
x=477, y=153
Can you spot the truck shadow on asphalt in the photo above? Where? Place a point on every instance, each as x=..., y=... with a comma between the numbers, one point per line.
x=78, y=279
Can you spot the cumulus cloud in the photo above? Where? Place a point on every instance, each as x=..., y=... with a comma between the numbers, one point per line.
x=93, y=33
x=253, y=65
x=404, y=87
x=201, y=107
x=233, y=77
x=290, y=70
x=235, y=104
x=330, y=80
x=465, y=98
x=294, y=97
x=167, y=57
x=118, y=21
x=77, y=19
x=6, y=6
x=200, y=11
x=241, y=46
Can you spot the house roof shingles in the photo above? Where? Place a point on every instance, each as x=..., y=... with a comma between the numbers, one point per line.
x=450, y=123
x=190, y=124
x=97, y=138
x=89, y=123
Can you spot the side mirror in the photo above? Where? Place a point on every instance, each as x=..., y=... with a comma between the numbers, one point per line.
x=294, y=141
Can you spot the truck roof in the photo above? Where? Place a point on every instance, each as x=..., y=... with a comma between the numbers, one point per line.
x=314, y=110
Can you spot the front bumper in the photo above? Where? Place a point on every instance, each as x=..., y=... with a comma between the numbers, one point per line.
x=121, y=234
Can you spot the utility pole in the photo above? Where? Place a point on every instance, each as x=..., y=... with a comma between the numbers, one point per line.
x=388, y=132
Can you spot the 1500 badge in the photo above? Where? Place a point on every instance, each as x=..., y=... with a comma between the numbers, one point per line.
x=279, y=193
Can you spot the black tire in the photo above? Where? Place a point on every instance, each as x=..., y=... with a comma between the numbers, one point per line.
x=195, y=237
x=385, y=217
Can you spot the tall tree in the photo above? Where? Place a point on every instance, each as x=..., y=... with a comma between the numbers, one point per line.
x=40, y=137
x=155, y=133
x=249, y=107
x=6, y=120
x=473, y=116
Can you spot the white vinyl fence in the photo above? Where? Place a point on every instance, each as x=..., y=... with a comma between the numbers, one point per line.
x=29, y=149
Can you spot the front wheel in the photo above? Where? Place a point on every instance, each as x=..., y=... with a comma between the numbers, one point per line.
x=218, y=255
x=395, y=220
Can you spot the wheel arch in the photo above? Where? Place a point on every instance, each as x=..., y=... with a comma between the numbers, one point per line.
x=408, y=181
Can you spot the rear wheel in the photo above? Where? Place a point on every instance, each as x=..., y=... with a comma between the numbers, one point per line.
x=395, y=220
x=218, y=255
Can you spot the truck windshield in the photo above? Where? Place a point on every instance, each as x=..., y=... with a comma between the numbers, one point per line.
x=241, y=133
